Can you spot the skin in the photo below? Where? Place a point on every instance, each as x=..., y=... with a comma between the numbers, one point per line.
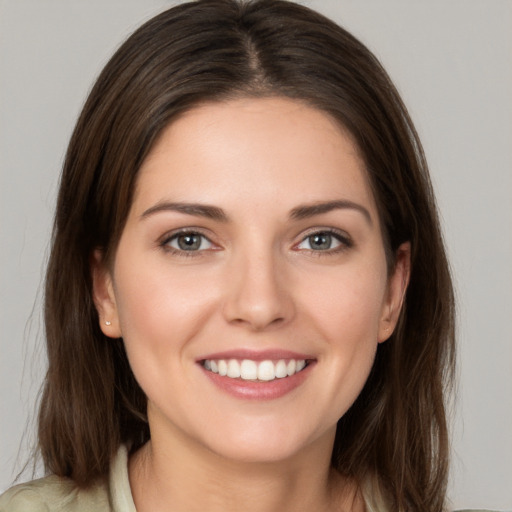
x=257, y=283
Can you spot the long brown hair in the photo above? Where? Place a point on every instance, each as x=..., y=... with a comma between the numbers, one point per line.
x=395, y=433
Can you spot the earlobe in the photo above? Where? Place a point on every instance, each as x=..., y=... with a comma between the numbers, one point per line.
x=104, y=297
x=397, y=288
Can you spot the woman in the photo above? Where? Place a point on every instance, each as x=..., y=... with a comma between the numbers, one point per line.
x=248, y=304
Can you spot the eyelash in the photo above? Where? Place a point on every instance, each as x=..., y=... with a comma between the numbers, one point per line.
x=345, y=242
x=167, y=239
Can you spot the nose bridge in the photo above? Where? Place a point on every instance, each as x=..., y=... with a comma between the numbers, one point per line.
x=257, y=294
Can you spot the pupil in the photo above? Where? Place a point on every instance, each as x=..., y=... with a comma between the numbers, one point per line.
x=189, y=242
x=320, y=241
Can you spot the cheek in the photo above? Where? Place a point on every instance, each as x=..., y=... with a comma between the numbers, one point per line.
x=346, y=313
x=347, y=304
x=159, y=311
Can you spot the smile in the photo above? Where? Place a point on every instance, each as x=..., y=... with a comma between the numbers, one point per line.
x=248, y=369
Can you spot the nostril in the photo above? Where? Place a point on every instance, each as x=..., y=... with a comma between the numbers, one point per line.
x=259, y=322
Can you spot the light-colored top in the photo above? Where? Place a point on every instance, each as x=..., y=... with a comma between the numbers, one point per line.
x=55, y=494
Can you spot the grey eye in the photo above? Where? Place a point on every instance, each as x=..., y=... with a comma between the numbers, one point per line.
x=322, y=241
x=190, y=242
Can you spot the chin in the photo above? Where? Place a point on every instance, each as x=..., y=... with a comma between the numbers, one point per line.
x=267, y=444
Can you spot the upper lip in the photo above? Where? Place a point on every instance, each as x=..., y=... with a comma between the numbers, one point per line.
x=257, y=355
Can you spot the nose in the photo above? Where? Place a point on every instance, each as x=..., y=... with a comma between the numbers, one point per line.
x=258, y=295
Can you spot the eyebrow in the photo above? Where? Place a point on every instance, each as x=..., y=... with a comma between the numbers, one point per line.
x=195, y=209
x=218, y=214
x=306, y=211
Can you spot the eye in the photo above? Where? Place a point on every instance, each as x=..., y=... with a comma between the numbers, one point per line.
x=324, y=241
x=188, y=241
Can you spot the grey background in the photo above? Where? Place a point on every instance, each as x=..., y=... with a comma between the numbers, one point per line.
x=452, y=61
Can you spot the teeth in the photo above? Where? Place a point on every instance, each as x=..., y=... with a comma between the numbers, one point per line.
x=281, y=370
x=233, y=369
x=248, y=370
x=223, y=367
x=251, y=370
x=266, y=370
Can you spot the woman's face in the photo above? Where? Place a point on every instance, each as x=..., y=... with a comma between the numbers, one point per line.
x=252, y=248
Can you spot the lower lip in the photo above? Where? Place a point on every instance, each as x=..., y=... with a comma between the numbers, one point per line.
x=267, y=390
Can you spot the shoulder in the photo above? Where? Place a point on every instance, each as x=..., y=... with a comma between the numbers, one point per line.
x=55, y=494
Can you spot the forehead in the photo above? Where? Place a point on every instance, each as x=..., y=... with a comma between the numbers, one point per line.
x=275, y=149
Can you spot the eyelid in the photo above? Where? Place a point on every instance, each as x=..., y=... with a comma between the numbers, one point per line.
x=341, y=236
x=344, y=239
x=164, y=241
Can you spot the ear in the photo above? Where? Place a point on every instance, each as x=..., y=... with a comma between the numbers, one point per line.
x=104, y=297
x=397, y=286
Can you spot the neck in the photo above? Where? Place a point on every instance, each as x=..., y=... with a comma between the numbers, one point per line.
x=177, y=476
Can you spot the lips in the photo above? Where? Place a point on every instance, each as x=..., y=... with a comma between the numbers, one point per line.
x=257, y=375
